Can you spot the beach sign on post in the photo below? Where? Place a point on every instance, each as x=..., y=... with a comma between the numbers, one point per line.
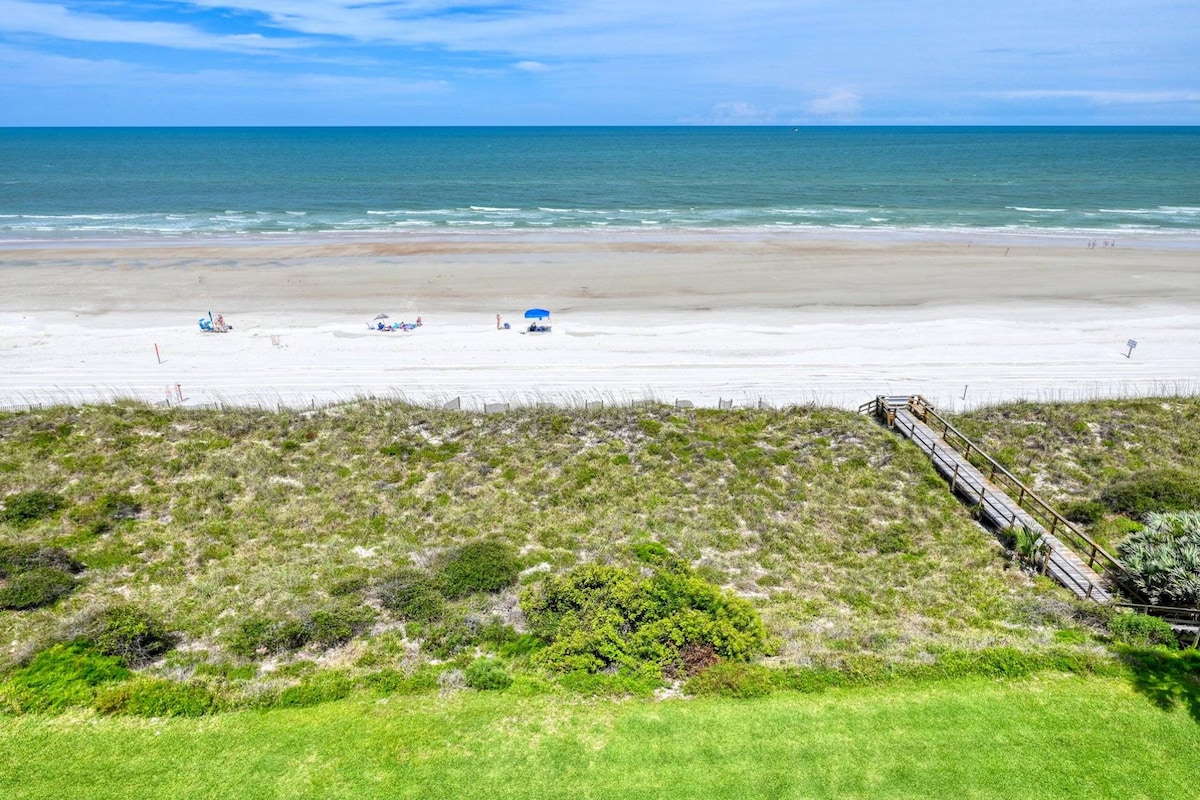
x=1132, y=343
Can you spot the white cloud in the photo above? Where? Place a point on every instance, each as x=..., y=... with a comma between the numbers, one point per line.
x=531, y=66
x=47, y=19
x=737, y=113
x=841, y=104
x=1103, y=97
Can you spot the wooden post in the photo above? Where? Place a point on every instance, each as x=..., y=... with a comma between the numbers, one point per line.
x=1021, y=497
x=1046, y=563
x=156, y=355
x=1196, y=641
x=954, y=479
x=1053, y=524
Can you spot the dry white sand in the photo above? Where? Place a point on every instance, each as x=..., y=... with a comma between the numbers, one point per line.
x=699, y=317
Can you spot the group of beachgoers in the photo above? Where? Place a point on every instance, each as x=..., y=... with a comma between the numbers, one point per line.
x=539, y=324
x=210, y=325
x=380, y=325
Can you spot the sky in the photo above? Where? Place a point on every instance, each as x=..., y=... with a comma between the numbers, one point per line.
x=599, y=62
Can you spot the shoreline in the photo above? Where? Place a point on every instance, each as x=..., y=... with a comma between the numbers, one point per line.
x=1142, y=238
x=782, y=319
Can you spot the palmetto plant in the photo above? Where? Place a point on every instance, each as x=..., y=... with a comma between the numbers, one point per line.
x=1164, y=558
x=1030, y=545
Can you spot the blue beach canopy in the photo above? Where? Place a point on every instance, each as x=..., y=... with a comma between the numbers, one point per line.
x=537, y=313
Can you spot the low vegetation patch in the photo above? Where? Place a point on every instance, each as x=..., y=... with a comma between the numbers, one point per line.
x=21, y=509
x=322, y=628
x=1153, y=490
x=1163, y=558
x=64, y=675
x=1141, y=630
x=598, y=616
x=155, y=697
x=486, y=566
x=33, y=576
x=127, y=632
x=487, y=674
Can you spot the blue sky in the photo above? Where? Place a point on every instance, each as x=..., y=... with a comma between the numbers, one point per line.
x=589, y=62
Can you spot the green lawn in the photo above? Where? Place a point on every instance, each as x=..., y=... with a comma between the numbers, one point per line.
x=1052, y=736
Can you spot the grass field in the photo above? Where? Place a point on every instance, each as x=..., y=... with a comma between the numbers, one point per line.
x=1052, y=736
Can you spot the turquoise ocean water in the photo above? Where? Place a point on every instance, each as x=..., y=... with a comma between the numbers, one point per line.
x=106, y=183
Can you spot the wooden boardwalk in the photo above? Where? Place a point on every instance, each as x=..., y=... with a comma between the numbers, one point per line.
x=1071, y=557
x=999, y=510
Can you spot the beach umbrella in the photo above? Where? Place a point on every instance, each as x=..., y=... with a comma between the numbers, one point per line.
x=380, y=316
x=537, y=313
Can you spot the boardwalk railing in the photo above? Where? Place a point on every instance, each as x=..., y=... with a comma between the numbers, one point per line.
x=1097, y=558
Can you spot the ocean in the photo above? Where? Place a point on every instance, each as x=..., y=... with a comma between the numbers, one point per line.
x=172, y=183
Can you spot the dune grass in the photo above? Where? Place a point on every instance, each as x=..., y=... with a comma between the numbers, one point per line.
x=1097, y=458
x=839, y=532
x=1049, y=737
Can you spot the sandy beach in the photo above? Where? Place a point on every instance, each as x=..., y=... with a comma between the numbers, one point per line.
x=697, y=316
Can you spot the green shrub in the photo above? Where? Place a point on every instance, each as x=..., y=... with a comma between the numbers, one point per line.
x=34, y=588
x=651, y=552
x=155, y=697
x=412, y=595
x=596, y=615
x=1141, y=630
x=521, y=645
x=449, y=638
x=486, y=566
x=320, y=687
x=325, y=627
x=61, y=676
x=1155, y=489
x=487, y=674
x=333, y=626
x=350, y=585
x=25, y=508
x=32, y=576
x=1085, y=512
x=260, y=636
x=732, y=679
x=16, y=558
x=128, y=633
